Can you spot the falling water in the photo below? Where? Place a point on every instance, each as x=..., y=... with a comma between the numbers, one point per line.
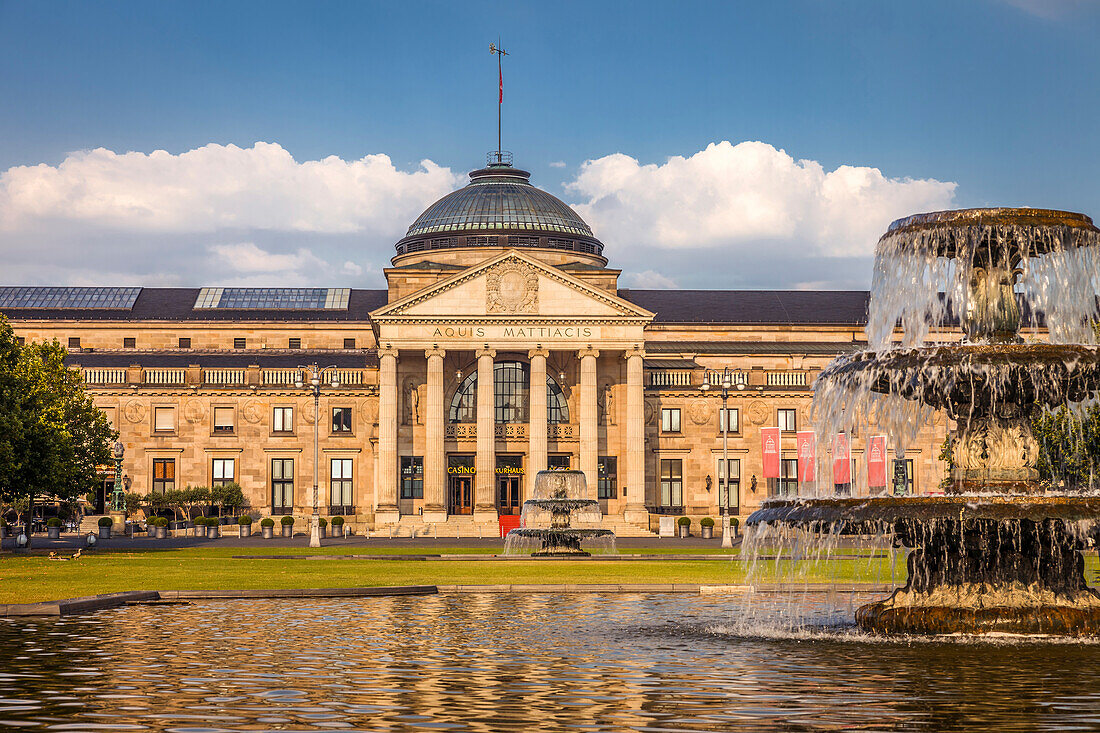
x=547, y=519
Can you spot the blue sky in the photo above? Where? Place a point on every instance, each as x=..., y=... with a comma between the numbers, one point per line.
x=1000, y=98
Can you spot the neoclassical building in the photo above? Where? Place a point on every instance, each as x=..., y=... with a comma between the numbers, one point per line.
x=502, y=346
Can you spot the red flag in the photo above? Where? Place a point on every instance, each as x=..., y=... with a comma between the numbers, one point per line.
x=805, y=441
x=876, y=461
x=501, y=72
x=842, y=463
x=770, y=446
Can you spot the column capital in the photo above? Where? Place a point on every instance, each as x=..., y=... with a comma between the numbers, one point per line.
x=544, y=353
x=491, y=353
x=587, y=352
x=434, y=351
x=387, y=350
x=636, y=351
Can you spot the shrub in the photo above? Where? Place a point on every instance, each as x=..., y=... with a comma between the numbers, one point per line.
x=683, y=522
x=106, y=522
x=286, y=521
x=322, y=522
x=53, y=522
x=337, y=521
x=244, y=520
x=706, y=522
x=734, y=521
x=267, y=522
x=161, y=521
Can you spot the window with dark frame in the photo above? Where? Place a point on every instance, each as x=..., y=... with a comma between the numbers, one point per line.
x=607, y=480
x=222, y=472
x=282, y=420
x=412, y=477
x=129, y=342
x=239, y=343
x=341, y=419
x=349, y=343
x=21, y=340
x=340, y=484
x=672, y=482
x=185, y=343
x=788, y=477
x=734, y=417
x=786, y=419
x=670, y=419
x=282, y=485
x=558, y=462
x=729, y=490
x=164, y=475
x=294, y=343
x=511, y=380
x=74, y=342
x=223, y=420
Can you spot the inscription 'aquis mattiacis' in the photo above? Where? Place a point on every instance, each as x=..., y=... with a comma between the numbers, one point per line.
x=515, y=332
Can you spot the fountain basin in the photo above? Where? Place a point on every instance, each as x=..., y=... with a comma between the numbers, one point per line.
x=1031, y=232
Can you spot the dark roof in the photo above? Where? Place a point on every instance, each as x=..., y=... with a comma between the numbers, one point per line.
x=842, y=307
x=178, y=304
x=809, y=348
x=267, y=359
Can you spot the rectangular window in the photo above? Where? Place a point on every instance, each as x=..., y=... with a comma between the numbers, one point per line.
x=223, y=419
x=164, y=474
x=558, y=462
x=412, y=477
x=74, y=342
x=672, y=482
x=129, y=342
x=282, y=485
x=294, y=344
x=903, y=488
x=222, y=472
x=164, y=419
x=729, y=486
x=788, y=477
x=20, y=340
x=340, y=486
x=341, y=419
x=185, y=343
x=786, y=420
x=607, y=477
x=730, y=415
x=349, y=343
x=670, y=419
x=282, y=420
x=239, y=343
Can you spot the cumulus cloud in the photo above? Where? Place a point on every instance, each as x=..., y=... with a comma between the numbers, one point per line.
x=558, y=164
x=735, y=197
x=647, y=280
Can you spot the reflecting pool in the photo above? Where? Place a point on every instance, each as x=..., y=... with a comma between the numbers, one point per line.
x=537, y=662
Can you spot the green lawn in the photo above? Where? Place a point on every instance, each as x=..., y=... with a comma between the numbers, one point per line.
x=27, y=578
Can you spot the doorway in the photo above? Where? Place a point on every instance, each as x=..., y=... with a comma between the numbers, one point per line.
x=509, y=475
x=460, y=483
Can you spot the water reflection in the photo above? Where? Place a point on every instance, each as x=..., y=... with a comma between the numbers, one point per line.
x=509, y=662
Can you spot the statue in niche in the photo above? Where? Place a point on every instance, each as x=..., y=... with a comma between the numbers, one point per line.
x=607, y=404
x=411, y=414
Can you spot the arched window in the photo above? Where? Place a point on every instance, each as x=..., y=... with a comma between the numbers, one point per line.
x=511, y=396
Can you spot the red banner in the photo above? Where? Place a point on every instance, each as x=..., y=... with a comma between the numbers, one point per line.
x=842, y=460
x=806, y=456
x=876, y=461
x=770, y=446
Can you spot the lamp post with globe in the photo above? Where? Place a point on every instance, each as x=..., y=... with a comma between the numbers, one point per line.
x=315, y=375
x=726, y=380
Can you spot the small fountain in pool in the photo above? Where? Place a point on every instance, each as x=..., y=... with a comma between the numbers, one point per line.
x=1000, y=552
x=560, y=499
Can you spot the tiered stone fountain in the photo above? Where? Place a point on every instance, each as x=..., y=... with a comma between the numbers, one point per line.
x=560, y=498
x=1000, y=551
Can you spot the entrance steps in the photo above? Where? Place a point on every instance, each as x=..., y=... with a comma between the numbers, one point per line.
x=90, y=523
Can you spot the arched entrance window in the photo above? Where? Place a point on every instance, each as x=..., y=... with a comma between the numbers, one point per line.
x=511, y=396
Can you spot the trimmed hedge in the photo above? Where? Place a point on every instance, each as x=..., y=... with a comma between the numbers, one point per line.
x=267, y=522
x=683, y=522
x=706, y=522
x=337, y=521
x=53, y=522
x=106, y=522
x=244, y=520
x=286, y=521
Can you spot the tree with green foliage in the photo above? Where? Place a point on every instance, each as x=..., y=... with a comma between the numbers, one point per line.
x=52, y=436
x=1069, y=448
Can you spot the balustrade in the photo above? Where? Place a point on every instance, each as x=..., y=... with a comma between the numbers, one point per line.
x=165, y=377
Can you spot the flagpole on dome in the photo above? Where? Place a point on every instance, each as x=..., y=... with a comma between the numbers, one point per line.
x=496, y=50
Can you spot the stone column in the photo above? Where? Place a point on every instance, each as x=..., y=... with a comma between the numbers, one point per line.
x=435, y=474
x=634, y=461
x=536, y=427
x=484, y=482
x=386, y=478
x=589, y=413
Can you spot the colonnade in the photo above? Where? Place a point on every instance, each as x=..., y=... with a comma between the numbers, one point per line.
x=632, y=458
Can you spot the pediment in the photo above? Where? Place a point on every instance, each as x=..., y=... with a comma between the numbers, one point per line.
x=512, y=286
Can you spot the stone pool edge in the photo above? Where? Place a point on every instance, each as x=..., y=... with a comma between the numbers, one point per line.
x=85, y=604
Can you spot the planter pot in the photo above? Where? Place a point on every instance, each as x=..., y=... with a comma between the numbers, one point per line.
x=288, y=530
x=5, y=532
x=200, y=530
x=684, y=532
x=337, y=531
x=267, y=532
x=104, y=533
x=54, y=533
x=245, y=530
x=162, y=533
x=212, y=532
x=324, y=532
x=151, y=530
x=707, y=533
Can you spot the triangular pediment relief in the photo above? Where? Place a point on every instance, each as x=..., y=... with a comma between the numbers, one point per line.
x=512, y=286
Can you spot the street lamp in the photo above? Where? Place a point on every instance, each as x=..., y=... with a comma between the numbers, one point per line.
x=726, y=382
x=118, y=503
x=315, y=374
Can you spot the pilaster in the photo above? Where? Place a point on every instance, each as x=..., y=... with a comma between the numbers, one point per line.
x=435, y=475
x=537, y=428
x=484, y=506
x=385, y=489
x=589, y=414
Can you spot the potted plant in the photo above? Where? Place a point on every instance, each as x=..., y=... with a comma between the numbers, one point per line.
x=3, y=527
x=213, y=527
x=288, y=526
x=199, y=524
x=53, y=528
x=337, y=526
x=734, y=521
x=323, y=524
x=244, y=522
x=267, y=525
x=685, y=527
x=162, y=528
x=706, y=528
x=105, y=528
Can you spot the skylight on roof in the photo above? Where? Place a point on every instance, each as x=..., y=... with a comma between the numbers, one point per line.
x=74, y=298
x=274, y=298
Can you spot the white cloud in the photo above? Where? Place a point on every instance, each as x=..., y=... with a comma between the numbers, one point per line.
x=350, y=268
x=558, y=164
x=734, y=197
x=247, y=258
x=648, y=279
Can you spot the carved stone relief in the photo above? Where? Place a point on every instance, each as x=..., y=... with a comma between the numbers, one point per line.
x=512, y=287
x=758, y=412
x=252, y=412
x=699, y=412
x=134, y=411
x=410, y=408
x=194, y=411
